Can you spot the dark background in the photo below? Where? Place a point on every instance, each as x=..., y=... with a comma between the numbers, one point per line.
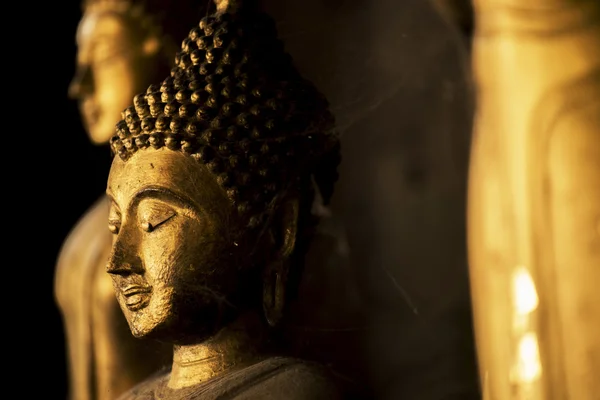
x=396, y=286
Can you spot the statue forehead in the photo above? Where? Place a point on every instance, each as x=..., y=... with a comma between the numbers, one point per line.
x=102, y=21
x=163, y=168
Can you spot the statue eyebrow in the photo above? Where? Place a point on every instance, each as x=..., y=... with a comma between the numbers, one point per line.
x=166, y=194
x=110, y=196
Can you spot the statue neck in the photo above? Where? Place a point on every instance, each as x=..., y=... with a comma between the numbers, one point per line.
x=233, y=347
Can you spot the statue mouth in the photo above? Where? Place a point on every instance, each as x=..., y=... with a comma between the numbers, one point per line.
x=136, y=296
x=90, y=112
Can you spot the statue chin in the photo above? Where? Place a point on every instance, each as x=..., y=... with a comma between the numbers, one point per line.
x=99, y=133
x=156, y=320
x=146, y=315
x=140, y=330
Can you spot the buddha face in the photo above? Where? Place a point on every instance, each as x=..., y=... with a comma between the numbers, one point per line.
x=115, y=61
x=174, y=261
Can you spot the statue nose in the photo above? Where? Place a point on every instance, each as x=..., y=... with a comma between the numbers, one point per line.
x=123, y=260
x=81, y=84
x=122, y=268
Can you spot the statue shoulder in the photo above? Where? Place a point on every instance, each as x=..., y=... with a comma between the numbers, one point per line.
x=84, y=249
x=91, y=229
x=149, y=388
x=294, y=379
x=275, y=378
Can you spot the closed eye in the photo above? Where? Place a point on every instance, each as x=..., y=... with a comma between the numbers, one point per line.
x=154, y=220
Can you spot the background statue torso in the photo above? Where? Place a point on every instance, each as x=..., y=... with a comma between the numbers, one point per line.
x=122, y=46
x=103, y=353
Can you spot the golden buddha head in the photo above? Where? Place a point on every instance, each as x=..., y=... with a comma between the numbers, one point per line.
x=122, y=46
x=213, y=180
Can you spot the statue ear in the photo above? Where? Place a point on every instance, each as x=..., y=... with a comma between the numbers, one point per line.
x=288, y=228
x=284, y=230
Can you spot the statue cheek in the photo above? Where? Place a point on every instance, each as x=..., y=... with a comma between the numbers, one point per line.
x=175, y=268
x=162, y=250
x=158, y=261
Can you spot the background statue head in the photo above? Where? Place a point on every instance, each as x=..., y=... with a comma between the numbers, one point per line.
x=213, y=182
x=122, y=46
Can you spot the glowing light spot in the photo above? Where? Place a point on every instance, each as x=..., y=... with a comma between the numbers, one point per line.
x=528, y=367
x=524, y=293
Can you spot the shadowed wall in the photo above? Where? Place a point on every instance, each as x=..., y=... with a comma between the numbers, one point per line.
x=397, y=285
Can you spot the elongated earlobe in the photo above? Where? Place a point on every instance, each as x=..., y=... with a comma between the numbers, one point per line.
x=151, y=46
x=275, y=276
x=274, y=291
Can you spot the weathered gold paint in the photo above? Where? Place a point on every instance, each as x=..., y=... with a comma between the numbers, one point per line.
x=534, y=198
x=159, y=271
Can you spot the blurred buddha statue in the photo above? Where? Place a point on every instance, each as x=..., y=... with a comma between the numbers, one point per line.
x=534, y=198
x=122, y=46
x=212, y=187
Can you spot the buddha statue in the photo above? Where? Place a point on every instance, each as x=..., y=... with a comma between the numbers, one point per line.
x=122, y=46
x=212, y=186
x=534, y=198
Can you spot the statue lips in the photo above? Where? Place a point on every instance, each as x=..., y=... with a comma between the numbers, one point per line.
x=90, y=111
x=136, y=296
